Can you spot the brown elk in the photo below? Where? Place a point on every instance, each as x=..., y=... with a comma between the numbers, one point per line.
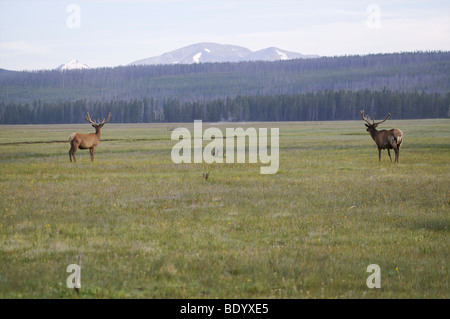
x=385, y=139
x=86, y=141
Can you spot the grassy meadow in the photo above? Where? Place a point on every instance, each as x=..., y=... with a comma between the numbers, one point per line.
x=149, y=228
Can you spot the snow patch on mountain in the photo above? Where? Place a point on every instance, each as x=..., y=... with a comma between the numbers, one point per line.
x=283, y=56
x=73, y=65
x=196, y=58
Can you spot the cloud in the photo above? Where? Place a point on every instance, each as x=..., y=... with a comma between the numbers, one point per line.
x=358, y=37
x=21, y=47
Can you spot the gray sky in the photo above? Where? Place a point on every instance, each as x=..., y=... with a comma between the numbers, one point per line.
x=43, y=34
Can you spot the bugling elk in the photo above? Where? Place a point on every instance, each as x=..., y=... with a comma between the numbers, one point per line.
x=385, y=139
x=86, y=141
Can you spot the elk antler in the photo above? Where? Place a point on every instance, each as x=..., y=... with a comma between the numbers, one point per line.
x=387, y=116
x=107, y=120
x=365, y=118
x=88, y=118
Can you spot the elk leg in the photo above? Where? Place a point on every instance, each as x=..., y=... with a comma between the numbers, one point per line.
x=379, y=155
x=92, y=150
x=72, y=153
x=389, y=153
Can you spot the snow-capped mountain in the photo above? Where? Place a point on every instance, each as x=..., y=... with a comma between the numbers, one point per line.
x=213, y=52
x=275, y=54
x=73, y=65
x=196, y=53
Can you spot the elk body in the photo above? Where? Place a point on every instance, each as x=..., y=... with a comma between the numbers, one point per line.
x=385, y=139
x=86, y=141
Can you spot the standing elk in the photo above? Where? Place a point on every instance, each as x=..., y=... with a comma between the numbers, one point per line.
x=385, y=139
x=86, y=141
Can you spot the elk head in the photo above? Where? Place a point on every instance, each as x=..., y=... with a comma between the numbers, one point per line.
x=385, y=139
x=97, y=125
x=372, y=125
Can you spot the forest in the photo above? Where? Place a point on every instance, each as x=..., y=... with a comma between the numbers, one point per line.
x=326, y=105
x=408, y=85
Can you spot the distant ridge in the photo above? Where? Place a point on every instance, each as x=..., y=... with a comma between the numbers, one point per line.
x=276, y=54
x=213, y=52
x=402, y=72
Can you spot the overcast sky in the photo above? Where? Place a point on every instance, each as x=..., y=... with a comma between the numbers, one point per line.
x=44, y=34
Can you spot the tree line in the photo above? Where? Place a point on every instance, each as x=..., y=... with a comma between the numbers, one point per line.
x=328, y=105
x=404, y=72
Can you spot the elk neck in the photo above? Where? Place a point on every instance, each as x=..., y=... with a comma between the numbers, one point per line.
x=373, y=131
x=97, y=132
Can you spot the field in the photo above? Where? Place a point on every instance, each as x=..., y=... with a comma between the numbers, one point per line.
x=149, y=228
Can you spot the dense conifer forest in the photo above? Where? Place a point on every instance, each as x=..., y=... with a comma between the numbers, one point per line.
x=408, y=85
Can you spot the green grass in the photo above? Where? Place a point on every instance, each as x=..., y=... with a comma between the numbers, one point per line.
x=148, y=228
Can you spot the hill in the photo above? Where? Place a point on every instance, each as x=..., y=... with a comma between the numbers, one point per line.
x=213, y=52
x=403, y=72
x=408, y=85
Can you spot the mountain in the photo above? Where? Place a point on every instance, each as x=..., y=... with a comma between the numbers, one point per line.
x=196, y=53
x=73, y=65
x=402, y=72
x=275, y=54
x=213, y=52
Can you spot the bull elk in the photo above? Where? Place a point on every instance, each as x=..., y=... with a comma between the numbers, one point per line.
x=86, y=141
x=385, y=139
